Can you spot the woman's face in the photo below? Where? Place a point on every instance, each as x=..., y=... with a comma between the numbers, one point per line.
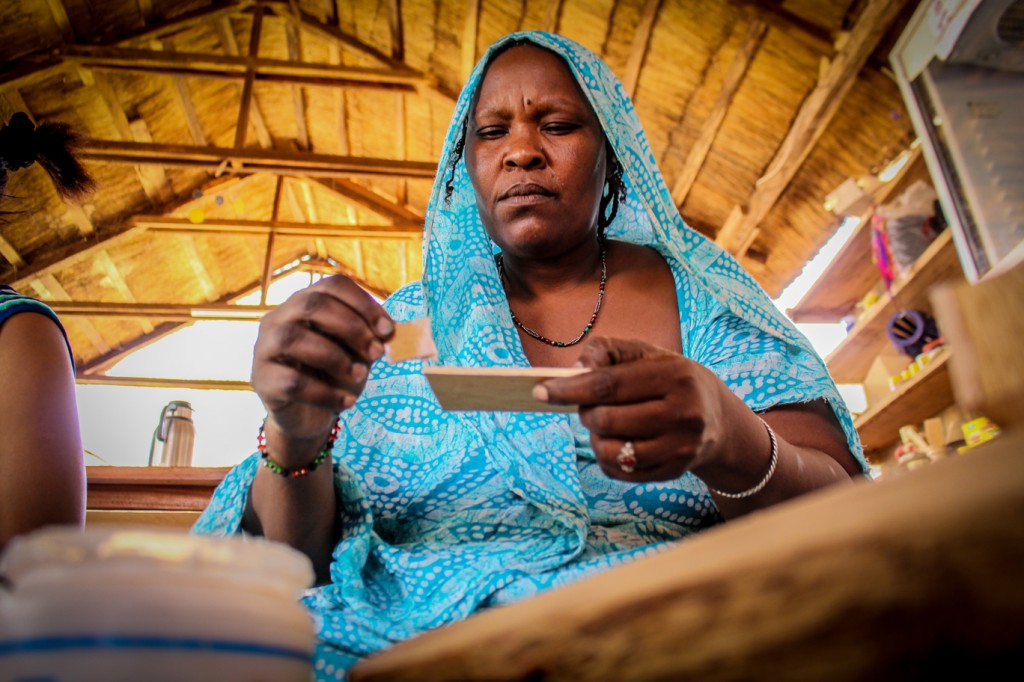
x=535, y=153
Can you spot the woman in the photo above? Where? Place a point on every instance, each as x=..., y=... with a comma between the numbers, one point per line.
x=42, y=471
x=551, y=239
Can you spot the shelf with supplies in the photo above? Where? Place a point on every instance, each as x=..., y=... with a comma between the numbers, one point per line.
x=868, y=338
x=926, y=394
x=852, y=273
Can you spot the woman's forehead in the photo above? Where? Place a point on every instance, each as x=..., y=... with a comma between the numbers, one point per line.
x=529, y=67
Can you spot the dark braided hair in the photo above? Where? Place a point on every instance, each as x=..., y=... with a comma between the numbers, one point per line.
x=52, y=145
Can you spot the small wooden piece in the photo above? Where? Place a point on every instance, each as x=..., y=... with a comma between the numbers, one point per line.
x=412, y=341
x=495, y=389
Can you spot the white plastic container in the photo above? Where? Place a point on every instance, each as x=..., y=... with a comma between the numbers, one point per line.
x=123, y=604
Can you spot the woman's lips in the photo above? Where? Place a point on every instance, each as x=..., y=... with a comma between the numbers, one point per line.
x=525, y=194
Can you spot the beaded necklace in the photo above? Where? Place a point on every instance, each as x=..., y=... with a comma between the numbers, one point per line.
x=593, y=318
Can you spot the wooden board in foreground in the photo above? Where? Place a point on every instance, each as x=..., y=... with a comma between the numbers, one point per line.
x=495, y=389
x=914, y=577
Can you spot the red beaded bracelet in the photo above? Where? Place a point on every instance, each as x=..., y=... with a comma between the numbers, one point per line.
x=295, y=472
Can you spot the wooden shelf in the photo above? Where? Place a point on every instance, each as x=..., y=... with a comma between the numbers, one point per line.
x=923, y=396
x=852, y=273
x=851, y=359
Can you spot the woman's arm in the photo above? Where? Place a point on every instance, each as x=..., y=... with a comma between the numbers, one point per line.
x=678, y=416
x=42, y=469
x=311, y=362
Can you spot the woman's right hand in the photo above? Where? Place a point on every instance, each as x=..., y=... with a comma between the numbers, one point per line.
x=312, y=358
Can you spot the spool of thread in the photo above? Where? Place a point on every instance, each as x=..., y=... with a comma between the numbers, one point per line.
x=911, y=330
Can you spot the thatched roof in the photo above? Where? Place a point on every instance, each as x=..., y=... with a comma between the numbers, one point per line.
x=313, y=127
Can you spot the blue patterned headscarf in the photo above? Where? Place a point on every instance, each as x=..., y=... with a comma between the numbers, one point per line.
x=445, y=513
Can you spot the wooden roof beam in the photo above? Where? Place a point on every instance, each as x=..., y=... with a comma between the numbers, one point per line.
x=109, y=235
x=470, y=28
x=181, y=312
x=397, y=29
x=641, y=43
x=242, y=125
x=255, y=160
x=405, y=231
x=726, y=91
x=60, y=18
x=236, y=67
x=11, y=254
x=227, y=38
x=183, y=21
x=162, y=382
x=812, y=119
x=109, y=271
x=552, y=15
x=308, y=22
x=295, y=54
x=368, y=198
x=153, y=179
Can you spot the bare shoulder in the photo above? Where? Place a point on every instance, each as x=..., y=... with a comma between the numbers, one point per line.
x=642, y=296
x=636, y=260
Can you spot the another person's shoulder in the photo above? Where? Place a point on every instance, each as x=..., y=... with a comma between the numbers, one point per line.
x=11, y=302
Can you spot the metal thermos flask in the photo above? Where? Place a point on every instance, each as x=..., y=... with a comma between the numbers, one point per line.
x=174, y=436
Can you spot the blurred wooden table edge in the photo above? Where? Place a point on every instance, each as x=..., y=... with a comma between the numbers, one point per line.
x=895, y=579
x=151, y=488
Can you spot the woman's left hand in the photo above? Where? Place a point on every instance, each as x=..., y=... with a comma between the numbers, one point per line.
x=674, y=412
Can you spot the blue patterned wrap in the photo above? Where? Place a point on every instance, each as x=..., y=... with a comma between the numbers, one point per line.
x=448, y=513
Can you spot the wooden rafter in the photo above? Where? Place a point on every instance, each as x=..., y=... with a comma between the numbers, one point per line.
x=726, y=91
x=214, y=66
x=401, y=145
x=255, y=161
x=817, y=111
x=184, y=99
x=641, y=42
x=10, y=253
x=469, y=30
x=110, y=272
x=108, y=236
x=60, y=17
x=340, y=104
x=397, y=30
x=366, y=197
x=144, y=312
x=308, y=22
x=195, y=261
x=298, y=102
x=552, y=15
x=153, y=179
x=242, y=125
x=297, y=230
x=268, y=256
x=161, y=382
x=227, y=37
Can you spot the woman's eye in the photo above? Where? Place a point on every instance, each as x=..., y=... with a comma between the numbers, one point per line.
x=560, y=128
x=490, y=132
